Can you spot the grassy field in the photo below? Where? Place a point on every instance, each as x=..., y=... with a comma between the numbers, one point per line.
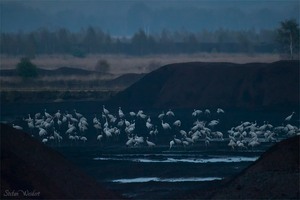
x=122, y=64
x=14, y=88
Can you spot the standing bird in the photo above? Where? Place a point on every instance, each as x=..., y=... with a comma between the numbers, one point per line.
x=196, y=113
x=121, y=114
x=161, y=115
x=165, y=126
x=172, y=143
x=99, y=137
x=78, y=115
x=176, y=140
x=177, y=123
x=150, y=144
x=219, y=110
x=106, y=112
x=288, y=118
x=232, y=144
x=170, y=113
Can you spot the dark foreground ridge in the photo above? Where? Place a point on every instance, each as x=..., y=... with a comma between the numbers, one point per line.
x=211, y=85
x=275, y=175
x=31, y=170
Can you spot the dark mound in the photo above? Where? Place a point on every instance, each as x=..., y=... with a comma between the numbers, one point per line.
x=227, y=85
x=275, y=175
x=32, y=170
x=125, y=80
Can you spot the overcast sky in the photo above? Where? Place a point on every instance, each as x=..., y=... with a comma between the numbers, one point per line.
x=124, y=17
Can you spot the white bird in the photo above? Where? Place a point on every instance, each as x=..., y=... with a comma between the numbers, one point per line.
x=42, y=132
x=78, y=115
x=195, y=137
x=177, y=141
x=232, y=144
x=120, y=123
x=107, y=132
x=132, y=114
x=219, y=110
x=161, y=115
x=45, y=140
x=97, y=126
x=57, y=136
x=150, y=144
x=37, y=115
x=70, y=130
x=121, y=114
x=240, y=144
x=288, y=118
x=177, y=123
x=172, y=143
x=219, y=134
x=47, y=114
x=29, y=119
x=17, y=127
x=74, y=120
x=213, y=123
x=185, y=143
x=155, y=131
x=127, y=123
x=30, y=125
x=138, y=140
x=207, y=140
x=84, y=139
x=141, y=115
x=130, y=141
x=64, y=119
x=99, y=137
x=189, y=140
x=183, y=133
x=149, y=125
x=57, y=114
x=196, y=113
x=165, y=126
x=170, y=113
x=207, y=111
x=105, y=110
x=253, y=143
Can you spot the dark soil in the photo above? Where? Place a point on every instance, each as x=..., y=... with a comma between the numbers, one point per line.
x=226, y=85
x=275, y=175
x=28, y=167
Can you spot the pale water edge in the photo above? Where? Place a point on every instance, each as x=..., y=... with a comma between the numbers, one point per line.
x=170, y=180
x=187, y=160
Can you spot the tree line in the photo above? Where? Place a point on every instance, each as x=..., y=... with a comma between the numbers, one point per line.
x=94, y=40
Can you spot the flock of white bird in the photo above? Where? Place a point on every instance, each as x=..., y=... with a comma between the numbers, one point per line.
x=121, y=128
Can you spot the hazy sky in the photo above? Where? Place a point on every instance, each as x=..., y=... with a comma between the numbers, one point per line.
x=124, y=17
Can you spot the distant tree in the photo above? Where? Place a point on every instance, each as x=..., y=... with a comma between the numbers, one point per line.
x=139, y=42
x=288, y=36
x=102, y=66
x=90, y=40
x=26, y=69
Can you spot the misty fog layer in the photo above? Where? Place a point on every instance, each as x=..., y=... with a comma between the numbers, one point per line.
x=126, y=17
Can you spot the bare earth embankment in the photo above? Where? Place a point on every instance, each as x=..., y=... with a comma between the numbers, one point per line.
x=275, y=175
x=211, y=85
x=42, y=173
